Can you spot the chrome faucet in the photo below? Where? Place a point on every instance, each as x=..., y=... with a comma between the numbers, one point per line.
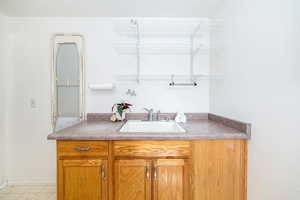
x=150, y=114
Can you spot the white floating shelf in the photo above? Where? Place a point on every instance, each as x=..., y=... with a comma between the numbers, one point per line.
x=158, y=49
x=167, y=28
x=157, y=34
x=163, y=37
x=162, y=77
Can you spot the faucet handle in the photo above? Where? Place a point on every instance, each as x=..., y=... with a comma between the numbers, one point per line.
x=148, y=110
x=158, y=115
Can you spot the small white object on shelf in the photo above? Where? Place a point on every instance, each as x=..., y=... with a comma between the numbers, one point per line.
x=104, y=86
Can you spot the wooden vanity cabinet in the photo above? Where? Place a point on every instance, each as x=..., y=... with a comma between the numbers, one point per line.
x=82, y=170
x=132, y=179
x=161, y=179
x=82, y=179
x=152, y=170
x=171, y=179
x=220, y=169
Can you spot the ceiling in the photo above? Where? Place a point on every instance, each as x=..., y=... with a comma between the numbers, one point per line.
x=108, y=8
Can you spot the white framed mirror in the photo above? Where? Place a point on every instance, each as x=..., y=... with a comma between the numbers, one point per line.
x=68, y=80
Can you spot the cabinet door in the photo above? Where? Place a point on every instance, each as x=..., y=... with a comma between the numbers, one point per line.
x=82, y=179
x=171, y=179
x=219, y=169
x=132, y=180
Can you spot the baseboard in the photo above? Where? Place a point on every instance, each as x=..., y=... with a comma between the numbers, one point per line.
x=3, y=185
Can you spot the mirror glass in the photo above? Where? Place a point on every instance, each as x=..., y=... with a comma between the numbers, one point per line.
x=67, y=85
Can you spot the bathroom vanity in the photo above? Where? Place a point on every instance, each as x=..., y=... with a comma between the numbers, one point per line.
x=95, y=161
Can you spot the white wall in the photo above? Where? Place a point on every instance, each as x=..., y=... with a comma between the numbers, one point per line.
x=258, y=54
x=31, y=156
x=3, y=95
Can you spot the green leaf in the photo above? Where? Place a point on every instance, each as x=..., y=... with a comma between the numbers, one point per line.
x=120, y=110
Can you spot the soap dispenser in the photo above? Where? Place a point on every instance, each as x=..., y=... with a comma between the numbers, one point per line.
x=180, y=117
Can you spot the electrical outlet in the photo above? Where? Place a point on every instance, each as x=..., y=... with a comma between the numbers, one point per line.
x=32, y=103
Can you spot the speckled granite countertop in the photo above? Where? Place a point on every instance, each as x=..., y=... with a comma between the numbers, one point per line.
x=208, y=126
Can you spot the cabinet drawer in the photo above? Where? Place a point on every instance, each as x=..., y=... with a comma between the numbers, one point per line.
x=152, y=148
x=82, y=148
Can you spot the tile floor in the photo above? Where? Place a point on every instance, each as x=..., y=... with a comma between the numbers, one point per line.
x=36, y=192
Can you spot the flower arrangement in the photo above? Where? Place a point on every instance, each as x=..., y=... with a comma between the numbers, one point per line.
x=119, y=111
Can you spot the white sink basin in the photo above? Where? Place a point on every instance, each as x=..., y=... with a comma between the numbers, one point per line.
x=152, y=126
